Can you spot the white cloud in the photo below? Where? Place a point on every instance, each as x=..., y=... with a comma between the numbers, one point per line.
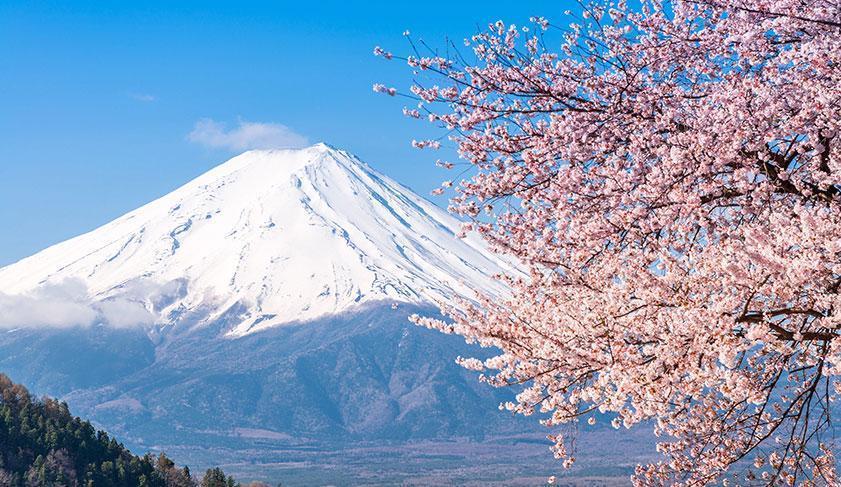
x=246, y=135
x=122, y=313
x=57, y=306
x=144, y=97
x=67, y=304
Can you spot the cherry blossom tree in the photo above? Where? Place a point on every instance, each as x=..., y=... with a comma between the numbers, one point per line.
x=669, y=175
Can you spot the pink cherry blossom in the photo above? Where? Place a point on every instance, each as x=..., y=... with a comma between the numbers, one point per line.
x=669, y=178
x=380, y=88
x=379, y=51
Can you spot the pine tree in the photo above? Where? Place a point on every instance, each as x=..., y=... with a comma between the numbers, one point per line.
x=42, y=444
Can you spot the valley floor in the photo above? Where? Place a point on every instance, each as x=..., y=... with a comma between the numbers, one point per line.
x=607, y=459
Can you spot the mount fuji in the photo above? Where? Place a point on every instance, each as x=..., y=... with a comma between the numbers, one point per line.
x=257, y=317
x=275, y=237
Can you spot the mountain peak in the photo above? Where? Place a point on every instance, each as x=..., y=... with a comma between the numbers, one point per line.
x=279, y=163
x=324, y=146
x=271, y=237
x=317, y=148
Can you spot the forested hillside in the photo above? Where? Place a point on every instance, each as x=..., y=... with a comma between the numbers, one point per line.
x=42, y=444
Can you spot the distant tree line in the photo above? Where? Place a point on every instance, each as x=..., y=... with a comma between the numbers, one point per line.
x=42, y=444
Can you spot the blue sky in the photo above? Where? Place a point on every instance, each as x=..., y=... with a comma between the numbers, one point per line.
x=97, y=98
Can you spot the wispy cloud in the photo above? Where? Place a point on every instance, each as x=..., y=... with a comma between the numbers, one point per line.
x=144, y=97
x=67, y=304
x=246, y=135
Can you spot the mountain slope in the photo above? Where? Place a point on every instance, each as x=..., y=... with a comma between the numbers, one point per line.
x=361, y=376
x=277, y=236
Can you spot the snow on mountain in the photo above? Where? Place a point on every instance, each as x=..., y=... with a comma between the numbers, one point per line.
x=279, y=236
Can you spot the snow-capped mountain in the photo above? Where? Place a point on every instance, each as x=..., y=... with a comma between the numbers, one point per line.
x=276, y=236
x=271, y=342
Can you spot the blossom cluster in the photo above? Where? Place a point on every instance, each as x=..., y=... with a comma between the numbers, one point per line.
x=670, y=178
